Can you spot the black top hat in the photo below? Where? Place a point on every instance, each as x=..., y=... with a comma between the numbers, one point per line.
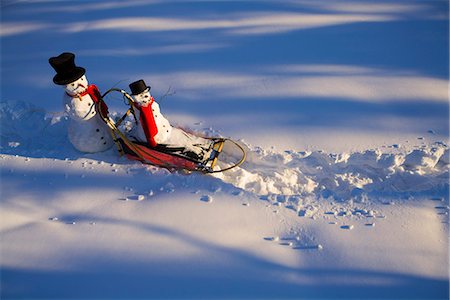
x=66, y=70
x=138, y=87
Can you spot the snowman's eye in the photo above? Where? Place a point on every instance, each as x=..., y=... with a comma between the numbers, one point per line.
x=73, y=84
x=146, y=96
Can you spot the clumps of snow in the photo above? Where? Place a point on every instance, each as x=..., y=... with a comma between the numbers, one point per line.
x=206, y=198
x=309, y=247
x=347, y=227
x=423, y=161
x=168, y=188
x=359, y=195
x=135, y=198
x=344, y=177
x=445, y=158
x=238, y=193
x=308, y=211
x=297, y=241
x=13, y=144
x=356, y=180
x=441, y=199
x=286, y=243
x=442, y=207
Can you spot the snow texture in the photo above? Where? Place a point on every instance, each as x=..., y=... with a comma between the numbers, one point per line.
x=342, y=107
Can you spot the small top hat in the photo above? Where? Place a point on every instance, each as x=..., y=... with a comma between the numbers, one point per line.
x=66, y=70
x=138, y=87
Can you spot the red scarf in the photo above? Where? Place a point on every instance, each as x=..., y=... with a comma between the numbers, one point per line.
x=93, y=91
x=148, y=122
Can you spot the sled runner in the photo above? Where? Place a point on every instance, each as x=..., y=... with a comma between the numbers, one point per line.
x=222, y=154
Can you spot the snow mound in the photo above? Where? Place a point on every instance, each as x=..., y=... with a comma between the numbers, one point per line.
x=28, y=129
x=345, y=176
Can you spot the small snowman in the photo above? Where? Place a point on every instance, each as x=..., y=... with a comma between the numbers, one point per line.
x=86, y=130
x=153, y=128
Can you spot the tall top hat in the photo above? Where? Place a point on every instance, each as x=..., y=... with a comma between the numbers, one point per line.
x=138, y=87
x=66, y=70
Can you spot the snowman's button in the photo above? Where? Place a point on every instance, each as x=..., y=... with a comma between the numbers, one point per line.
x=97, y=130
x=102, y=138
x=104, y=143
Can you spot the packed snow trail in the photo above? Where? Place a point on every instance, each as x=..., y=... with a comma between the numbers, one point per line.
x=288, y=175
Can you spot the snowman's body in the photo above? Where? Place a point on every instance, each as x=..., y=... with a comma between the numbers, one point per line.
x=86, y=130
x=170, y=137
x=163, y=125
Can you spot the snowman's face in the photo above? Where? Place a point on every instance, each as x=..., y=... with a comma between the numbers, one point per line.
x=143, y=98
x=77, y=87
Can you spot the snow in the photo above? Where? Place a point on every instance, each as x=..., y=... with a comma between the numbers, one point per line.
x=341, y=105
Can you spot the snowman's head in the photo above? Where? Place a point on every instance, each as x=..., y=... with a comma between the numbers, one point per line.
x=76, y=87
x=144, y=98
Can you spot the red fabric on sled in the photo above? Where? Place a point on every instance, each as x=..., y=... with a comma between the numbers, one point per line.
x=161, y=159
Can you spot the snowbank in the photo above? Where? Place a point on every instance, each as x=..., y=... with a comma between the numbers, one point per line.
x=342, y=176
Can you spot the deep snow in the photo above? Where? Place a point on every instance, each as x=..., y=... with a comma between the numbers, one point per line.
x=343, y=107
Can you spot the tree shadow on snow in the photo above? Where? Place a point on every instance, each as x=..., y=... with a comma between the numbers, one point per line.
x=242, y=275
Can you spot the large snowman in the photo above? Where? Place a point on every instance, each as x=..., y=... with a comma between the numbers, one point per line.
x=86, y=130
x=153, y=128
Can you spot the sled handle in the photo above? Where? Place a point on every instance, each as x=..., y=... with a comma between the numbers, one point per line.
x=130, y=103
x=240, y=162
x=123, y=92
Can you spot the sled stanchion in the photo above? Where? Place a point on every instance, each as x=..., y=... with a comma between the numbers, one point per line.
x=216, y=154
x=116, y=141
x=123, y=118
